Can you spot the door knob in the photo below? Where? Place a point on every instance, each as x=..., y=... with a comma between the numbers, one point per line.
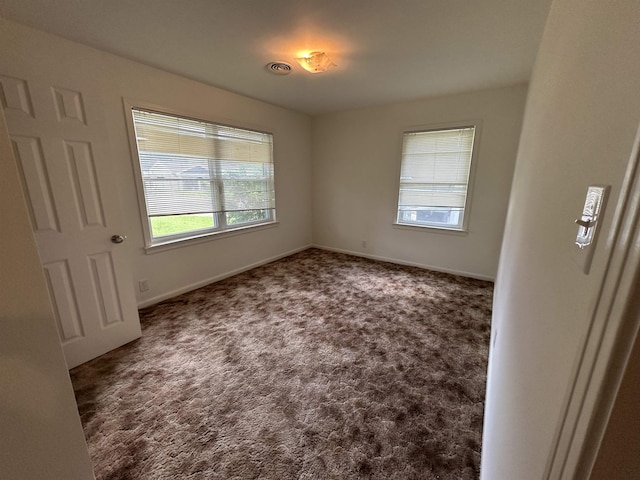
x=118, y=238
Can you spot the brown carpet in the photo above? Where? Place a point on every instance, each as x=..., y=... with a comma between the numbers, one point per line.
x=317, y=366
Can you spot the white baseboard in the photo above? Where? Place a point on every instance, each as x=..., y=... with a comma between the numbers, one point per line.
x=179, y=291
x=410, y=264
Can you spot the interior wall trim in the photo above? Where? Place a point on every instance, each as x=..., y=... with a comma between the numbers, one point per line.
x=193, y=286
x=410, y=264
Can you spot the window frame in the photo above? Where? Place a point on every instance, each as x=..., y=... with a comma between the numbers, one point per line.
x=464, y=228
x=152, y=245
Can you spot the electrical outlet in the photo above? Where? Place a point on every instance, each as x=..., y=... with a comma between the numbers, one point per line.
x=143, y=285
x=364, y=244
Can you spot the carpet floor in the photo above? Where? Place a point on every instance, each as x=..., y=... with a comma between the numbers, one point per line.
x=317, y=366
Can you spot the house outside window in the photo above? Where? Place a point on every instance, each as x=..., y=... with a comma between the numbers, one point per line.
x=435, y=177
x=200, y=178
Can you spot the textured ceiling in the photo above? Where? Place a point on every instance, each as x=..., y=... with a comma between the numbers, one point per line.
x=386, y=51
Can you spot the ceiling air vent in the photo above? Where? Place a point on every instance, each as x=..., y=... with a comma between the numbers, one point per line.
x=279, y=68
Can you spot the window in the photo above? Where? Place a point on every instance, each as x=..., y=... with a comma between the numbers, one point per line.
x=200, y=178
x=434, y=178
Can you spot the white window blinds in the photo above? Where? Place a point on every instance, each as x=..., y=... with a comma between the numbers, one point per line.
x=192, y=167
x=434, y=177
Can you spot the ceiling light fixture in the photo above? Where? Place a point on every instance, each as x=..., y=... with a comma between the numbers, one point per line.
x=315, y=62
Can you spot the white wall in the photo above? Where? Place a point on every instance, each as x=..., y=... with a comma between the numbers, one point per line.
x=581, y=117
x=40, y=431
x=356, y=168
x=178, y=269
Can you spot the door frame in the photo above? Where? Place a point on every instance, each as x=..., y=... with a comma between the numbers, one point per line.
x=613, y=326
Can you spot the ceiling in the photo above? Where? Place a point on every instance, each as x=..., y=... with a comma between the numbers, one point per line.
x=386, y=51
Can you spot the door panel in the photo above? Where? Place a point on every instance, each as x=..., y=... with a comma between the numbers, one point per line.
x=62, y=149
x=28, y=153
x=63, y=297
x=106, y=289
x=85, y=184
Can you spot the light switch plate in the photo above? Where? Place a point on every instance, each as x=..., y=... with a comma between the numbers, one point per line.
x=592, y=211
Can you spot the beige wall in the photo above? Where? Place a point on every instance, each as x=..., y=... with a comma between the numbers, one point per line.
x=581, y=117
x=356, y=168
x=177, y=270
x=40, y=431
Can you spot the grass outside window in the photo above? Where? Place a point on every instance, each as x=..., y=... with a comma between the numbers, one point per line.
x=174, y=224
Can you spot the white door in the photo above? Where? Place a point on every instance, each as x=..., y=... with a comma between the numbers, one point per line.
x=61, y=146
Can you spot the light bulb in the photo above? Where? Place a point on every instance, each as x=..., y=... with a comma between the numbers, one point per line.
x=315, y=62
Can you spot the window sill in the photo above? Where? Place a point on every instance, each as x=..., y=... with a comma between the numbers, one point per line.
x=431, y=229
x=206, y=237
